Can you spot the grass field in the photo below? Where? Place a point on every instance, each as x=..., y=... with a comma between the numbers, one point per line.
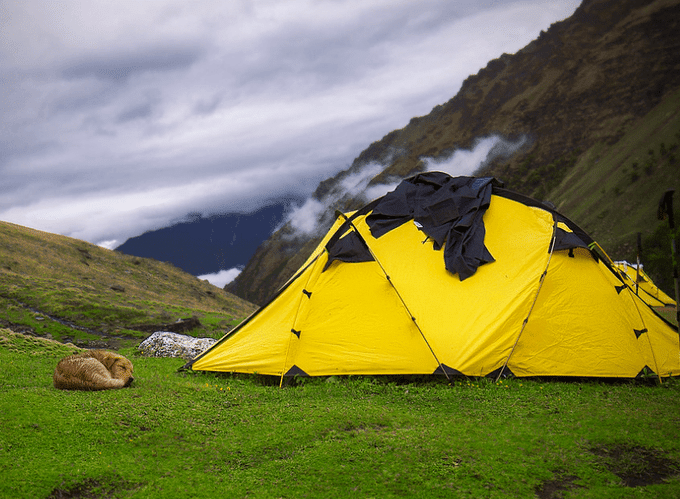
x=195, y=435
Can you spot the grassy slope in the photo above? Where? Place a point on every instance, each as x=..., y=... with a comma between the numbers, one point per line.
x=610, y=197
x=45, y=275
x=184, y=435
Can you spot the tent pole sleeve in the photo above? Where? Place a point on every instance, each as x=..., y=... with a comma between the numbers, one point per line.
x=637, y=308
x=666, y=210
x=533, y=303
x=674, y=258
x=297, y=314
x=637, y=273
x=649, y=339
x=408, y=311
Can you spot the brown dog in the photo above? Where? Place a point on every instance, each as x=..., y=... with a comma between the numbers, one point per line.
x=93, y=370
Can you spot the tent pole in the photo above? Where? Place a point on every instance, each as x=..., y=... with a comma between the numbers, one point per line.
x=666, y=209
x=526, y=320
x=413, y=319
x=637, y=270
x=649, y=340
x=297, y=314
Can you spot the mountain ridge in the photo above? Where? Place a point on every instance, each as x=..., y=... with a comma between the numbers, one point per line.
x=575, y=93
x=206, y=245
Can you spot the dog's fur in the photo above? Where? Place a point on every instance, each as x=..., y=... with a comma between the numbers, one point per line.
x=93, y=370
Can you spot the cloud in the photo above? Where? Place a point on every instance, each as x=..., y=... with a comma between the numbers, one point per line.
x=315, y=215
x=304, y=219
x=121, y=117
x=221, y=278
x=469, y=161
x=124, y=64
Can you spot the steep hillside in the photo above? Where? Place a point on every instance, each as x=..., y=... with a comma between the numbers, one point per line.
x=70, y=290
x=586, y=101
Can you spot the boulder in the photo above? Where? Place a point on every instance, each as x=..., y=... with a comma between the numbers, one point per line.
x=168, y=344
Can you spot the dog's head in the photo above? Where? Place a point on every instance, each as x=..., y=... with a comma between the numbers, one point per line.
x=116, y=364
x=122, y=369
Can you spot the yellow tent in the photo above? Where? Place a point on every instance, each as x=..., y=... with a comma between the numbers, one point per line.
x=451, y=276
x=645, y=288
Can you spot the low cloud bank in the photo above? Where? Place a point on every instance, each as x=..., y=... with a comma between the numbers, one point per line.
x=469, y=161
x=314, y=216
x=119, y=121
x=221, y=278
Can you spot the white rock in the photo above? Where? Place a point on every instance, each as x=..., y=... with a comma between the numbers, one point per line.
x=166, y=344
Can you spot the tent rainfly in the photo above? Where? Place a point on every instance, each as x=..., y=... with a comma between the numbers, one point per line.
x=452, y=276
x=643, y=286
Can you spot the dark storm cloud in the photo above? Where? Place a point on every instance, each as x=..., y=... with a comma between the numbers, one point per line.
x=123, y=65
x=120, y=117
x=310, y=55
x=143, y=110
x=206, y=106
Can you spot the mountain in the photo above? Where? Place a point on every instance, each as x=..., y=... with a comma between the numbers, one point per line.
x=207, y=245
x=70, y=290
x=592, y=108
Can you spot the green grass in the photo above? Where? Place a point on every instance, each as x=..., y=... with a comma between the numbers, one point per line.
x=198, y=435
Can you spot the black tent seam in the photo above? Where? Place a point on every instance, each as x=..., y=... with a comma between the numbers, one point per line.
x=647, y=293
x=557, y=216
x=348, y=222
x=620, y=276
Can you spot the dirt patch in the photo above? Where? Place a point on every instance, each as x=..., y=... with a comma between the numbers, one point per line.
x=555, y=488
x=17, y=328
x=107, y=488
x=636, y=466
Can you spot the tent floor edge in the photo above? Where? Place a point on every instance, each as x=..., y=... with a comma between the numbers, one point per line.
x=506, y=373
x=295, y=371
x=444, y=370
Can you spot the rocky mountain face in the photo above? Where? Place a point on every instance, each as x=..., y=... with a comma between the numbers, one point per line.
x=592, y=107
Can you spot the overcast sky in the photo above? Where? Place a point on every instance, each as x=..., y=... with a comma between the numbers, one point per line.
x=117, y=117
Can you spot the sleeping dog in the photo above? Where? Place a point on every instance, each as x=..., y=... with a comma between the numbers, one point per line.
x=93, y=370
